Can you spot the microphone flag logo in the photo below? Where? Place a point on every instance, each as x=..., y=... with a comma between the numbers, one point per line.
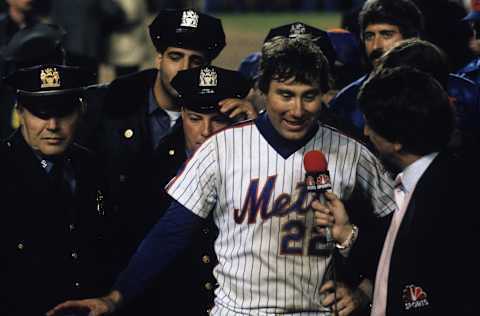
x=318, y=181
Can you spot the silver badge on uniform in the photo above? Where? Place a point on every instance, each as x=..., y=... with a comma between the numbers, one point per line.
x=297, y=29
x=189, y=18
x=208, y=77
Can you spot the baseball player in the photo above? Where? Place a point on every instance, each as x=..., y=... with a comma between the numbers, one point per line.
x=272, y=259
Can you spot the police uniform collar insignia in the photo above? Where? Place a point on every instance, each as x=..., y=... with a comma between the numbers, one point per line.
x=189, y=19
x=50, y=78
x=414, y=297
x=208, y=77
x=297, y=29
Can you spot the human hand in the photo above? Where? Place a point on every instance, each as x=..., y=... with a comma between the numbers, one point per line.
x=88, y=307
x=234, y=108
x=333, y=214
x=348, y=300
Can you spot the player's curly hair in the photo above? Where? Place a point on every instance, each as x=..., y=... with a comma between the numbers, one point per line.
x=408, y=106
x=402, y=13
x=284, y=58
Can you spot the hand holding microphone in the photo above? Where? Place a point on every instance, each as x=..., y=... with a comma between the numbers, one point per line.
x=329, y=210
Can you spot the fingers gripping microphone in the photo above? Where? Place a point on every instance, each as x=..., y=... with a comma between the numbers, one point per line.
x=317, y=179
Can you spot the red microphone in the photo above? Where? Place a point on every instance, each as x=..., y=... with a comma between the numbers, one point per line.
x=317, y=180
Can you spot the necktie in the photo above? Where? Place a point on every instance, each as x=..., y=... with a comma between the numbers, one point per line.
x=381, y=281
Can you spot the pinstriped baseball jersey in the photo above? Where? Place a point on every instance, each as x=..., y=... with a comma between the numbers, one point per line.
x=271, y=261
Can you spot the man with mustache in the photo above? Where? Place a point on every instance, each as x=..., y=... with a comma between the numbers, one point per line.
x=52, y=215
x=382, y=23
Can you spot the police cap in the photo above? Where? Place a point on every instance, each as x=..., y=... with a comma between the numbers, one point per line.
x=188, y=29
x=35, y=45
x=200, y=89
x=319, y=37
x=49, y=90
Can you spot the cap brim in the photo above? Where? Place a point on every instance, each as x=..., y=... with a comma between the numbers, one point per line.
x=46, y=106
x=75, y=91
x=472, y=16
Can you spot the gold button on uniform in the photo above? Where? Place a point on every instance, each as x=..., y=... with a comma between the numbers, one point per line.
x=77, y=284
x=20, y=246
x=208, y=286
x=206, y=259
x=74, y=255
x=128, y=133
x=171, y=152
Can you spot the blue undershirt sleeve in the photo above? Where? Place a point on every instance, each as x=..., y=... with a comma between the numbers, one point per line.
x=163, y=243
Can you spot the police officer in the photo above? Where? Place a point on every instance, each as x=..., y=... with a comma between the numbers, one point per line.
x=33, y=45
x=190, y=278
x=50, y=232
x=139, y=111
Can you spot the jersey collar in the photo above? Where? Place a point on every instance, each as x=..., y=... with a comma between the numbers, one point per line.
x=281, y=145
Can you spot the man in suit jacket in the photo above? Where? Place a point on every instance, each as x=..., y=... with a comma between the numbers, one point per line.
x=52, y=215
x=420, y=271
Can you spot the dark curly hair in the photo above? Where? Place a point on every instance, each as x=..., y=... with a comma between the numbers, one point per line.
x=284, y=58
x=408, y=106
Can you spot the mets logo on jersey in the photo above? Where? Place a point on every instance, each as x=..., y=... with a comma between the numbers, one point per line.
x=414, y=297
x=295, y=236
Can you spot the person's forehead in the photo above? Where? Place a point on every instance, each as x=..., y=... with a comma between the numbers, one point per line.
x=186, y=51
x=203, y=115
x=293, y=84
x=379, y=27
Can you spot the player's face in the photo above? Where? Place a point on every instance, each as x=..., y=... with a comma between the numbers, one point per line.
x=174, y=59
x=50, y=136
x=198, y=127
x=292, y=107
x=378, y=38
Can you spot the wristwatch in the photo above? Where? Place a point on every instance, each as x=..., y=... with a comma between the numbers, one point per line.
x=350, y=240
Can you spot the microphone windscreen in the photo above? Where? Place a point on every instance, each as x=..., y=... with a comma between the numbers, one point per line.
x=314, y=161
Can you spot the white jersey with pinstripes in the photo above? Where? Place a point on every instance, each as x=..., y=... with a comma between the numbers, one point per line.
x=270, y=260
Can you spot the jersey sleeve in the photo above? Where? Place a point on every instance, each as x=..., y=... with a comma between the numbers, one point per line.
x=195, y=185
x=375, y=182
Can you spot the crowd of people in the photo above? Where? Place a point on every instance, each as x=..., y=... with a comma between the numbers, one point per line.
x=184, y=190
